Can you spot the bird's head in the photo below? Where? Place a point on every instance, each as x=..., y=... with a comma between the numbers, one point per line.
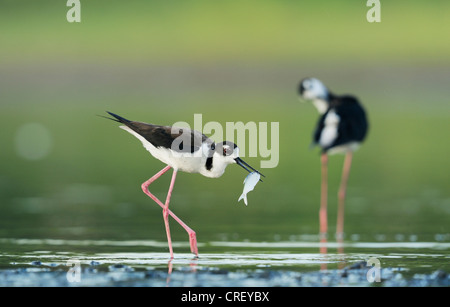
x=227, y=152
x=313, y=89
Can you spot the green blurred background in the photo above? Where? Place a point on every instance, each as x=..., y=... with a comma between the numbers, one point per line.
x=67, y=173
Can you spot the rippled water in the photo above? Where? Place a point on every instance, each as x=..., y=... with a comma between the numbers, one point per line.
x=112, y=263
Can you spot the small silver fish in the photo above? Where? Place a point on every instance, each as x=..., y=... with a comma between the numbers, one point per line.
x=249, y=184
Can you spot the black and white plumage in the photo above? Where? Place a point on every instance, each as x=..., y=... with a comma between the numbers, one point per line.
x=342, y=125
x=184, y=149
x=341, y=128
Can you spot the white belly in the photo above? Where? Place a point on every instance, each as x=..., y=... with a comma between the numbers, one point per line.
x=344, y=148
x=330, y=131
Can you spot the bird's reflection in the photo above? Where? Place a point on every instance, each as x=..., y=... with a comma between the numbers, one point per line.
x=192, y=264
x=340, y=251
x=323, y=249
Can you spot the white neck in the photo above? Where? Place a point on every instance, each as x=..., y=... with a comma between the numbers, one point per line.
x=321, y=105
x=219, y=164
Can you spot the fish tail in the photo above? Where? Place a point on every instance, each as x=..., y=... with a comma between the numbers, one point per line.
x=243, y=196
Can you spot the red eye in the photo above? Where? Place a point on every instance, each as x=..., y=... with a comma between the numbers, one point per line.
x=227, y=151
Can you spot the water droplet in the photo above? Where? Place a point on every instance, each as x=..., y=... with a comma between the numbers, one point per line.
x=400, y=237
x=413, y=238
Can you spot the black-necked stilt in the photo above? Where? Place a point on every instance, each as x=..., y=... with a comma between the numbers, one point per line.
x=183, y=150
x=341, y=128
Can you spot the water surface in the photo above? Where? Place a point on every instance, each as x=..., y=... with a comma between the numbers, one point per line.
x=231, y=264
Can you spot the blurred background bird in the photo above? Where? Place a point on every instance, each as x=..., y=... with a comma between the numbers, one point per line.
x=341, y=128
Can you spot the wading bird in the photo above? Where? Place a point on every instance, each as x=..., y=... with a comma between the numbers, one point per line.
x=341, y=128
x=184, y=150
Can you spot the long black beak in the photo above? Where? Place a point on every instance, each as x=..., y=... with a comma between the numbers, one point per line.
x=244, y=165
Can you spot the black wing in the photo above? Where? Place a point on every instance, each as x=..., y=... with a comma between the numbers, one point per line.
x=178, y=139
x=353, y=123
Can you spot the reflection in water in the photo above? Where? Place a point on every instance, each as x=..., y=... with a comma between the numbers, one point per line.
x=169, y=271
x=340, y=250
x=323, y=249
x=192, y=265
x=323, y=245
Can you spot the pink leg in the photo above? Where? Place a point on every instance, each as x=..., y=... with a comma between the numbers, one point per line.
x=166, y=211
x=341, y=194
x=323, y=197
x=192, y=235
